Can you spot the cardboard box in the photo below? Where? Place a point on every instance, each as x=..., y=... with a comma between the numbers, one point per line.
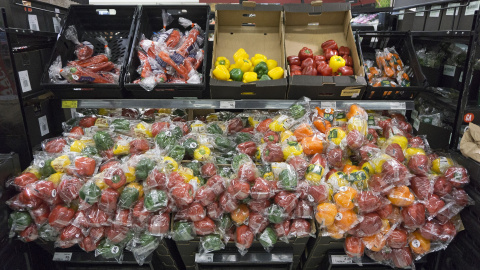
x=450, y=17
x=257, y=29
x=434, y=17
x=467, y=15
x=310, y=26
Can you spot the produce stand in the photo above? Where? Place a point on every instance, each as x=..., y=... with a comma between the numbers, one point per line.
x=259, y=29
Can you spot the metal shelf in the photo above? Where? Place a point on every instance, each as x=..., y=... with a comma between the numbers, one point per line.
x=231, y=104
x=29, y=32
x=436, y=34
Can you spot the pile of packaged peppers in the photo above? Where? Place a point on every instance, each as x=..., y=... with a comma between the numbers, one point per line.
x=171, y=56
x=116, y=178
x=87, y=68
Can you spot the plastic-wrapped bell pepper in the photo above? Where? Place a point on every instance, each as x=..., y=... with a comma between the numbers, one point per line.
x=249, y=148
x=314, y=173
x=268, y=238
x=329, y=44
x=214, y=129
x=121, y=125
x=244, y=64
x=249, y=77
x=182, y=231
x=293, y=149
x=90, y=192
x=130, y=195
x=190, y=145
x=297, y=111
x=155, y=200
x=121, y=148
x=345, y=71
x=271, y=64
x=240, y=54
x=171, y=164
x=103, y=141
x=261, y=69
x=224, y=144
x=336, y=62
x=60, y=163
x=143, y=168
x=258, y=58
x=47, y=168
x=201, y=153
x=236, y=74
x=276, y=73
x=19, y=220
x=222, y=61
x=288, y=179
x=177, y=152
x=221, y=73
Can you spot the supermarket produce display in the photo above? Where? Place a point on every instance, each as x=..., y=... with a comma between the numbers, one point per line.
x=123, y=179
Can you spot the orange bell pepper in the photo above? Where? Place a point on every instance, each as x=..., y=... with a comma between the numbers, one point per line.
x=326, y=213
x=418, y=243
x=344, y=199
x=401, y=196
x=240, y=215
x=322, y=125
x=303, y=131
x=312, y=145
x=349, y=168
x=356, y=110
x=345, y=219
x=374, y=242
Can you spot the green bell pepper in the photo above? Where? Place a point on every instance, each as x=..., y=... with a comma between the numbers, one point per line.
x=226, y=115
x=46, y=170
x=268, y=238
x=155, y=199
x=177, y=152
x=287, y=179
x=236, y=74
x=194, y=166
x=224, y=144
x=120, y=125
x=275, y=214
x=261, y=69
x=177, y=132
x=146, y=239
x=190, y=145
x=90, y=192
x=143, y=168
x=109, y=250
x=103, y=141
x=165, y=140
x=239, y=160
x=90, y=151
x=19, y=220
x=242, y=137
x=128, y=197
x=264, y=169
x=214, y=129
x=265, y=78
x=48, y=233
x=182, y=231
x=212, y=242
x=297, y=111
x=224, y=223
x=179, y=112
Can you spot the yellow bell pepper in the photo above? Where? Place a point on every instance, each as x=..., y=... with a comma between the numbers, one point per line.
x=172, y=165
x=359, y=178
x=222, y=61
x=367, y=167
x=336, y=62
x=258, y=154
x=121, y=148
x=276, y=73
x=195, y=179
x=441, y=164
x=251, y=69
x=100, y=183
x=411, y=151
x=314, y=173
x=165, y=110
x=34, y=170
x=336, y=135
x=221, y=73
x=378, y=161
x=249, y=77
x=130, y=175
x=143, y=130
x=400, y=140
x=252, y=121
x=285, y=135
x=240, y=54
x=277, y=125
x=337, y=180
x=102, y=111
x=357, y=123
x=201, y=153
x=77, y=146
x=271, y=64
x=55, y=178
x=258, y=58
x=244, y=64
x=292, y=149
x=60, y=163
x=269, y=176
x=187, y=173
x=101, y=123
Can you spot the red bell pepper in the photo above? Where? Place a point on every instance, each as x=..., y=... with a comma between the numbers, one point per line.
x=24, y=179
x=305, y=53
x=271, y=137
x=296, y=72
x=87, y=122
x=308, y=63
x=310, y=71
x=115, y=178
x=348, y=60
x=248, y=148
x=295, y=67
x=293, y=60
x=55, y=145
x=345, y=71
x=85, y=166
x=263, y=126
x=329, y=44
x=329, y=53
x=60, y=216
x=343, y=51
x=324, y=69
x=318, y=63
x=76, y=133
x=317, y=58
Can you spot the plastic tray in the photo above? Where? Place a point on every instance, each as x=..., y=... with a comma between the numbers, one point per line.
x=116, y=24
x=367, y=42
x=149, y=21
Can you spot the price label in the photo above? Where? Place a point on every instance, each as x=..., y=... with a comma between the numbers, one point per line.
x=62, y=256
x=328, y=104
x=57, y=10
x=414, y=114
x=435, y=13
x=398, y=106
x=341, y=259
x=461, y=77
x=227, y=104
x=43, y=124
x=420, y=12
x=416, y=124
x=471, y=8
x=203, y=258
x=449, y=70
x=33, y=22
x=24, y=81
x=401, y=14
x=452, y=10
x=56, y=24
x=69, y=104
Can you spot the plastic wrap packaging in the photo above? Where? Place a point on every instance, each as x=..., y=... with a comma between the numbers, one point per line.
x=210, y=243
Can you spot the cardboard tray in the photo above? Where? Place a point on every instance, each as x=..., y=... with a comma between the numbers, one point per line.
x=259, y=30
x=310, y=26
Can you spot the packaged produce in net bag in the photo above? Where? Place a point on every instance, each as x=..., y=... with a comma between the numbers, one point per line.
x=83, y=50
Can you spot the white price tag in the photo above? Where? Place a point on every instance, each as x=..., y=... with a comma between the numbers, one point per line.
x=57, y=10
x=33, y=22
x=43, y=124
x=341, y=259
x=414, y=114
x=24, y=81
x=416, y=124
x=452, y=10
x=435, y=13
x=56, y=24
x=401, y=14
x=62, y=256
x=420, y=12
x=328, y=104
x=398, y=106
x=461, y=77
x=202, y=258
x=470, y=9
x=227, y=104
x=449, y=70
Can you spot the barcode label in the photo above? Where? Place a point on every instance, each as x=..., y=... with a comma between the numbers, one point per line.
x=202, y=258
x=400, y=15
x=435, y=13
x=33, y=22
x=470, y=9
x=43, y=123
x=420, y=14
x=328, y=104
x=227, y=104
x=416, y=124
x=56, y=24
x=449, y=70
x=24, y=81
x=62, y=256
x=341, y=259
x=452, y=10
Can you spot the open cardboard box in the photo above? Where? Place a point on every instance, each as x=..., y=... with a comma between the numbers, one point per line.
x=309, y=26
x=257, y=29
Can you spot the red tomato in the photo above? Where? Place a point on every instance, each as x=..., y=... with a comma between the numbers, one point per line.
x=85, y=166
x=55, y=145
x=24, y=179
x=88, y=121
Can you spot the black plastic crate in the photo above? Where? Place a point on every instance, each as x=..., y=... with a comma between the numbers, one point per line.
x=149, y=21
x=116, y=24
x=367, y=42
